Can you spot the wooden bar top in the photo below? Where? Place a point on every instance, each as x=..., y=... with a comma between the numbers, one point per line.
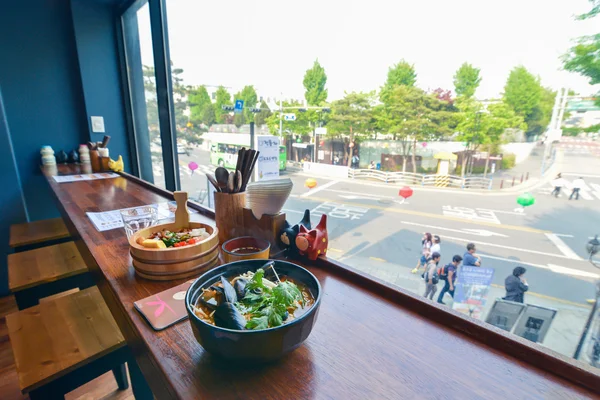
x=371, y=341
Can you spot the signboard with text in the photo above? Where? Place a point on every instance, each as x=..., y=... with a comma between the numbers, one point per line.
x=267, y=165
x=472, y=288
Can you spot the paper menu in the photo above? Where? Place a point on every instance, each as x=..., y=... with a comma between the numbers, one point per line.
x=84, y=177
x=108, y=220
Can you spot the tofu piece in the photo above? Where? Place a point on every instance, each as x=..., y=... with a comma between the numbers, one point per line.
x=154, y=244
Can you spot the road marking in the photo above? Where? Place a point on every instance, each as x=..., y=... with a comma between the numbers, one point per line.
x=563, y=235
x=377, y=259
x=582, y=175
x=470, y=214
x=562, y=246
x=346, y=192
x=500, y=211
x=294, y=211
x=480, y=232
x=508, y=247
x=318, y=189
x=571, y=271
x=353, y=197
x=444, y=217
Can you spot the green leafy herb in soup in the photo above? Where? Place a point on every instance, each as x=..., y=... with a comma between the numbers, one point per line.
x=250, y=301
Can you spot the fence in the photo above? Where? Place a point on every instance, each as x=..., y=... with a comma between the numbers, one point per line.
x=409, y=178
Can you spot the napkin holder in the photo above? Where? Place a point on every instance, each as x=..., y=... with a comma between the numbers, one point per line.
x=267, y=227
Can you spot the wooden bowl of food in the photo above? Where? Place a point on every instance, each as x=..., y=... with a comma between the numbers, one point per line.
x=245, y=248
x=175, y=250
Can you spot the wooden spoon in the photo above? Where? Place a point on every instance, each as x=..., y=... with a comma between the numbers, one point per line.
x=231, y=182
x=212, y=180
x=238, y=181
x=222, y=176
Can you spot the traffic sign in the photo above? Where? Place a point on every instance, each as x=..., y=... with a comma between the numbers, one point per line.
x=320, y=131
x=239, y=106
x=289, y=117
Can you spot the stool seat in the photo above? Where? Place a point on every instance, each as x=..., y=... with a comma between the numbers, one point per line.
x=58, y=336
x=37, y=232
x=47, y=264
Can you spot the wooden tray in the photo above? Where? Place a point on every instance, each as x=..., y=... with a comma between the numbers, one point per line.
x=174, y=262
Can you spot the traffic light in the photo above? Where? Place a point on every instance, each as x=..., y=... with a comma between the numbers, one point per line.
x=227, y=108
x=302, y=110
x=326, y=109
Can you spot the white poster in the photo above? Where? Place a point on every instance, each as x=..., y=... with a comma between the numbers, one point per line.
x=267, y=166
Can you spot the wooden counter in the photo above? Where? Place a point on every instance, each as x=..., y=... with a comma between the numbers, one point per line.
x=371, y=341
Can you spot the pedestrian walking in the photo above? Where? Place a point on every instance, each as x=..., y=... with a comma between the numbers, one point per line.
x=448, y=275
x=431, y=276
x=435, y=245
x=426, y=242
x=516, y=285
x=577, y=185
x=558, y=183
x=470, y=259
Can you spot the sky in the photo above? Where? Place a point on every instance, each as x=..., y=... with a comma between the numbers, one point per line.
x=271, y=43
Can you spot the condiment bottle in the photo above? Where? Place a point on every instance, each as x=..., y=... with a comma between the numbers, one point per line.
x=47, y=156
x=84, y=154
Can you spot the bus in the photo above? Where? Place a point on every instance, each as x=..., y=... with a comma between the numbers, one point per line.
x=223, y=153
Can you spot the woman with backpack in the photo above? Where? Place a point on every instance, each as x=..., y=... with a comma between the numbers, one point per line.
x=431, y=275
x=448, y=275
x=426, y=243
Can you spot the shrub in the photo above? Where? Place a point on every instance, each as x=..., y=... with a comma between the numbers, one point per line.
x=509, y=160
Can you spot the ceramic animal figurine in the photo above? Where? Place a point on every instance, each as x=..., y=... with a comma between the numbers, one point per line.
x=61, y=157
x=314, y=242
x=73, y=157
x=116, y=166
x=289, y=233
x=84, y=154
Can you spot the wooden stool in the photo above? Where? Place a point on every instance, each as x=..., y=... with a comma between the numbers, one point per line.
x=34, y=274
x=32, y=233
x=63, y=343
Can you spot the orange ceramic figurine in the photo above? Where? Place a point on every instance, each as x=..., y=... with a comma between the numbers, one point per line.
x=314, y=242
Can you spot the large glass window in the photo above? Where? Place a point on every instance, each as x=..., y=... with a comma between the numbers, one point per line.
x=142, y=84
x=446, y=141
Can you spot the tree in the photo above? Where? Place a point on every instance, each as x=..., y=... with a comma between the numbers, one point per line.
x=314, y=82
x=593, y=12
x=523, y=92
x=222, y=98
x=198, y=100
x=352, y=116
x=402, y=73
x=208, y=115
x=248, y=94
x=542, y=112
x=151, y=102
x=466, y=80
x=412, y=115
x=261, y=117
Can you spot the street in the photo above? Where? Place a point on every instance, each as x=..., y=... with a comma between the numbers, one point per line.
x=372, y=229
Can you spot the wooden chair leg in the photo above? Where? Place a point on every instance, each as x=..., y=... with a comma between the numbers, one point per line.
x=120, y=374
x=139, y=386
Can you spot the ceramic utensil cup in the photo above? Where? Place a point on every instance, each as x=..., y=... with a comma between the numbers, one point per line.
x=229, y=215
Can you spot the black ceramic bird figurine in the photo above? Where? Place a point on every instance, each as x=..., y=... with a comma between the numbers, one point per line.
x=61, y=157
x=73, y=157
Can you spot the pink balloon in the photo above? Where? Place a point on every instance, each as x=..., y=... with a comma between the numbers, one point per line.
x=193, y=166
x=424, y=144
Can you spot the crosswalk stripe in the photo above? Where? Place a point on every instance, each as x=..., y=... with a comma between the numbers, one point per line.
x=585, y=195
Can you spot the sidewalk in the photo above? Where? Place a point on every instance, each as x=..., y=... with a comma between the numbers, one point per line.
x=564, y=332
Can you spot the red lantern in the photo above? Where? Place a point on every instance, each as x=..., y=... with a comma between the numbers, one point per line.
x=405, y=192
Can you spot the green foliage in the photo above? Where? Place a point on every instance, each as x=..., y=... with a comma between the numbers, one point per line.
x=222, y=98
x=151, y=103
x=412, y=115
x=248, y=94
x=352, y=115
x=198, y=100
x=208, y=115
x=522, y=92
x=542, y=112
x=401, y=74
x=261, y=117
x=314, y=82
x=584, y=58
x=572, y=131
x=509, y=160
x=466, y=80
x=300, y=126
x=593, y=12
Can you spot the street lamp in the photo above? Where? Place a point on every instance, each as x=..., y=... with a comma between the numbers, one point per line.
x=592, y=247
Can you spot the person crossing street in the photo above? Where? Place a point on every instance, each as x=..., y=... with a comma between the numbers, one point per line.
x=577, y=185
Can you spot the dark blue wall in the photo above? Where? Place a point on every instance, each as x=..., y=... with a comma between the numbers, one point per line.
x=42, y=90
x=96, y=38
x=58, y=66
